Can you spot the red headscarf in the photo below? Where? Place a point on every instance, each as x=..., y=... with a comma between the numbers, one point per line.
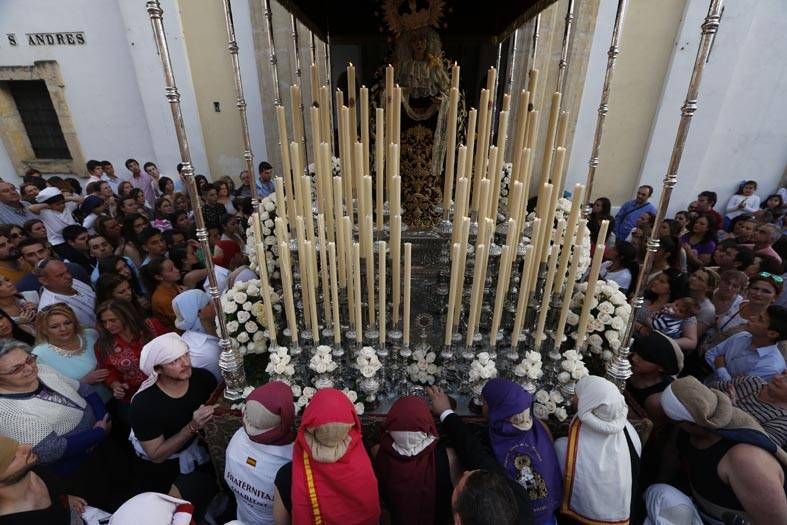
x=342, y=492
x=408, y=483
x=228, y=251
x=276, y=398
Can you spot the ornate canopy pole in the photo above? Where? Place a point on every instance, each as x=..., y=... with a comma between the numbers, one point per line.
x=248, y=156
x=620, y=369
x=563, y=64
x=534, y=43
x=510, y=71
x=230, y=361
x=272, y=51
x=603, y=107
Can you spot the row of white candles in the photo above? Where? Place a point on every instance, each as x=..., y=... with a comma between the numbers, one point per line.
x=476, y=169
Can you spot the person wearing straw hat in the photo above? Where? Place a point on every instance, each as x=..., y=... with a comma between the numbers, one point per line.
x=167, y=413
x=258, y=449
x=734, y=467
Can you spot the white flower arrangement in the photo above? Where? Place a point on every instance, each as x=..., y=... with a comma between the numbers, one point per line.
x=267, y=225
x=244, y=315
x=562, y=211
x=549, y=403
x=423, y=367
x=482, y=368
x=367, y=362
x=302, y=396
x=352, y=395
x=609, y=314
x=336, y=167
x=530, y=368
x=572, y=367
x=322, y=361
x=280, y=366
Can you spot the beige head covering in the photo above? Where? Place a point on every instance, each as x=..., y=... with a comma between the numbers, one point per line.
x=328, y=442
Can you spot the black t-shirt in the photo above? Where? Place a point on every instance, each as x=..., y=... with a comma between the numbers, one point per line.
x=154, y=413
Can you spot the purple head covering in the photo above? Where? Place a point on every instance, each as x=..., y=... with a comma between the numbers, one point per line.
x=528, y=456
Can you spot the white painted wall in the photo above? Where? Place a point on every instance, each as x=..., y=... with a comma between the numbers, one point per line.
x=740, y=129
x=113, y=83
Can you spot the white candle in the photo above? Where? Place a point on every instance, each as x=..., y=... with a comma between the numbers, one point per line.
x=471, y=125
x=379, y=166
x=450, y=155
x=381, y=286
x=396, y=268
x=365, y=127
x=284, y=145
x=289, y=304
x=370, y=273
x=500, y=293
x=549, y=144
x=460, y=283
x=337, y=332
x=449, y=319
x=312, y=279
x=357, y=280
x=326, y=296
x=480, y=157
x=595, y=267
x=571, y=230
x=337, y=202
x=408, y=274
x=569, y=290
x=476, y=293
x=524, y=296
x=266, y=292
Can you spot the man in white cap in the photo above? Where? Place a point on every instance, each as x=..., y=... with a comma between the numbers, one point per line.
x=57, y=214
x=167, y=412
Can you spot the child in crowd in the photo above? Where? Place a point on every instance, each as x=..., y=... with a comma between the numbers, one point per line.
x=673, y=316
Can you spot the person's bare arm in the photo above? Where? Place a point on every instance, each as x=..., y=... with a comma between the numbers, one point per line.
x=280, y=514
x=757, y=480
x=159, y=449
x=688, y=337
x=36, y=208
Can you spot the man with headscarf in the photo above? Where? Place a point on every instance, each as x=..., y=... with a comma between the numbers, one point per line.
x=600, y=456
x=734, y=467
x=330, y=479
x=415, y=469
x=484, y=494
x=523, y=446
x=195, y=315
x=167, y=413
x=257, y=451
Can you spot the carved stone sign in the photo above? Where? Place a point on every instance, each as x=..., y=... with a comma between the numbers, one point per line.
x=68, y=38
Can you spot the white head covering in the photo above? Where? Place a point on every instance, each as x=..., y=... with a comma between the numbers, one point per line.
x=666, y=505
x=47, y=193
x=673, y=408
x=160, y=351
x=187, y=306
x=152, y=508
x=598, y=466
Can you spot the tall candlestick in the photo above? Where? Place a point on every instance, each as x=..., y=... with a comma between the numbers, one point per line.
x=502, y=130
x=297, y=174
x=314, y=116
x=500, y=293
x=549, y=145
x=323, y=245
x=266, y=290
x=472, y=116
x=351, y=101
x=557, y=175
x=552, y=255
x=571, y=230
x=408, y=274
x=389, y=96
x=303, y=262
x=449, y=316
x=480, y=157
x=396, y=193
x=475, y=292
x=357, y=281
x=396, y=268
x=289, y=303
x=329, y=206
x=326, y=129
x=381, y=286
x=494, y=179
x=358, y=173
x=549, y=217
x=569, y=289
x=365, y=127
x=281, y=203
x=531, y=135
x=562, y=129
x=532, y=267
x=379, y=165
x=483, y=199
x=312, y=296
x=306, y=185
x=460, y=283
x=284, y=147
x=526, y=169
x=337, y=202
x=397, y=120
x=314, y=76
x=348, y=174
x=459, y=211
x=524, y=296
x=450, y=155
x=520, y=127
x=460, y=174
x=349, y=266
x=370, y=273
x=595, y=268
x=455, y=76
x=337, y=330
x=298, y=132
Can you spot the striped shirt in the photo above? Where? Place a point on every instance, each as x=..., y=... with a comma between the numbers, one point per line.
x=771, y=417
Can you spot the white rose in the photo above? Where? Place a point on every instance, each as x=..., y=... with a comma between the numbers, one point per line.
x=268, y=223
x=556, y=396
x=564, y=377
x=352, y=395
x=604, y=318
x=359, y=408
x=561, y=414
x=614, y=345
x=572, y=319
x=617, y=299
x=551, y=406
x=258, y=336
x=243, y=338
x=270, y=241
x=595, y=341
x=540, y=411
x=231, y=308
x=247, y=306
x=534, y=373
x=571, y=355
x=578, y=374
x=606, y=355
x=243, y=316
x=367, y=371
x=251, y=327
x=542, y=396
x=618, y=323
x=269, y=205
x=533, y=357
x=239, y=297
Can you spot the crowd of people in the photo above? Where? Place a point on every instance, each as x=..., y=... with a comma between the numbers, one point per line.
x=109, y=366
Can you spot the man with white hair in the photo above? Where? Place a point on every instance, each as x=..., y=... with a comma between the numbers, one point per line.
x=167, y=413
x=59, y=286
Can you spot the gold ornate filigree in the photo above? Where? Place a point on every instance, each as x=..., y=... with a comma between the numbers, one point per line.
x=406, y=15
x=421, y=191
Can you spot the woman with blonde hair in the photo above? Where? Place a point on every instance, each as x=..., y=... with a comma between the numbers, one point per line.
x=68, y=348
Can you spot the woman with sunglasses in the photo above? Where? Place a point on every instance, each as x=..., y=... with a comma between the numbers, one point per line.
x=68, y=348
x=764, y=288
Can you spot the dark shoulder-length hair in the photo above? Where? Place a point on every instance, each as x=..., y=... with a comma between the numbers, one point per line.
x=713, y=226
x=16, y=332
x=108, y=265
x=105, y=289
x=131, y=319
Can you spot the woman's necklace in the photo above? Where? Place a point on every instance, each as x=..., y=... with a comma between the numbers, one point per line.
x=66, y=352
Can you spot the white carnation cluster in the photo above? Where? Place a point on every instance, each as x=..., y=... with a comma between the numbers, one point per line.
x=482, y=368
x=336, y=167
x=267, y=225
x=609, y=314
x=244, y=314
x=367, y=362
x=423, y=367
x=280, y=364
x=572, y=366
x=549, y=403
x=322, y=361
x=530, y=368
